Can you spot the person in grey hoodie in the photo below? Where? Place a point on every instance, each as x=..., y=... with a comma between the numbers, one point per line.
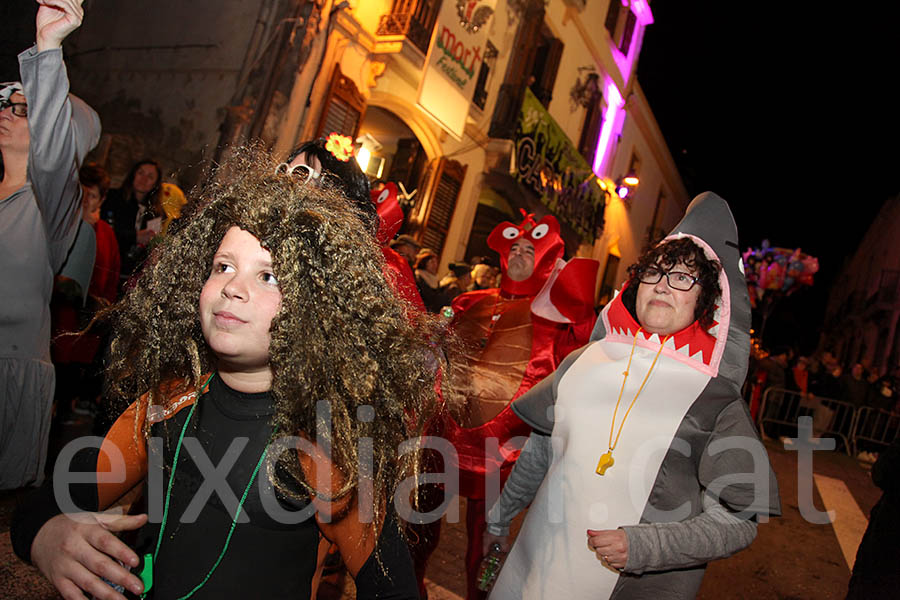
x=44, y=135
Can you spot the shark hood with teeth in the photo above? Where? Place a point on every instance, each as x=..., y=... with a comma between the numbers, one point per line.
x=725, y=348
x=722, y=352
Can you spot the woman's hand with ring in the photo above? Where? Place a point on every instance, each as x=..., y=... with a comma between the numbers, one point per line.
x=611, y=545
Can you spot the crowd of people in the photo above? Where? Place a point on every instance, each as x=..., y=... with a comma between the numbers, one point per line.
x=267, y=347
x=819, y=387
x=438, y=293
x=822, y=375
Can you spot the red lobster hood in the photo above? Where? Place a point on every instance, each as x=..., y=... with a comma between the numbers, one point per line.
x=390, y=215
x=548, y=247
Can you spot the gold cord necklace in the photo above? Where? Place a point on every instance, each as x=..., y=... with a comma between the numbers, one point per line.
x=606, y=461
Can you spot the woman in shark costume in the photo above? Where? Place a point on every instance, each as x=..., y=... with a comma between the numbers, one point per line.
x=689, y=479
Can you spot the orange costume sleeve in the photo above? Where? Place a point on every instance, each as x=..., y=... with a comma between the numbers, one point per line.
x=122, y=461
x=341, y=520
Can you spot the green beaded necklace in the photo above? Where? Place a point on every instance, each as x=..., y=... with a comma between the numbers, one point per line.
x=149, y=559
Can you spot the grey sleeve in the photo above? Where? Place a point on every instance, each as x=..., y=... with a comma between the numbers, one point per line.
x=714, y=533
x=63, y=129
x=734, y=467
x=522, y=484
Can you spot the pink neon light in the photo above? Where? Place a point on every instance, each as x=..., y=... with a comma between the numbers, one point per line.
x=641, y=10
x=624, y=62
x=614, y=100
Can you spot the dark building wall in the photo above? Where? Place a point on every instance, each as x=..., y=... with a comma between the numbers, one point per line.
x=160, y=74
x=862, y=319
x=16, y=34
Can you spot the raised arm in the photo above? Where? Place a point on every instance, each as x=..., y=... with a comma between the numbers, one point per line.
x=56, y=19
x=62, y=128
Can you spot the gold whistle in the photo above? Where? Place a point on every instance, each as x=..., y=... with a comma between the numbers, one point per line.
x=606, y=461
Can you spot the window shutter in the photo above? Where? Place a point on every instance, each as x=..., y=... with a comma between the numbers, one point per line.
x=590, y=130
x=344, y=107
x=656, y=232
x=408, y=164
x=612, y=17
x=628, y=33
x=546, y=66
x=340, y=117
x=450, y=176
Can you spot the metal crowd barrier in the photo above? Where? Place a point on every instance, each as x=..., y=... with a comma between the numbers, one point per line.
x=876, y=427
x=831, y=418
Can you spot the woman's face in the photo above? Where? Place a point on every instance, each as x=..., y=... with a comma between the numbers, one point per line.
x=145, y=179
x=14, y=134
x=664, y=310
x=238, y=302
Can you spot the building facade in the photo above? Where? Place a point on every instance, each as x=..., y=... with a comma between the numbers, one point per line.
x=862, y=317
x=481, y=109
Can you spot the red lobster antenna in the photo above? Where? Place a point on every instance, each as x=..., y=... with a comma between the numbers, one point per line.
x=528, y=223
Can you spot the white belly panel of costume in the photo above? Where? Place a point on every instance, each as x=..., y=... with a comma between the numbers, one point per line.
x=551, y=557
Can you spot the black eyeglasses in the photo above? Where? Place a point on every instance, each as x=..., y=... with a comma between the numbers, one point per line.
x=678, y=280
x=302, y=173
x=20, y=109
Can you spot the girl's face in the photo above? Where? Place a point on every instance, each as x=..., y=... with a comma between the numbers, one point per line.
x=238, y=301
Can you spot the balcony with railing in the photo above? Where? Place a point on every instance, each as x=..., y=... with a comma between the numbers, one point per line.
x=413, y=19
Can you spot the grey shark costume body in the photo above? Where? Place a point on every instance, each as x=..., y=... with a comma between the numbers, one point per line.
x=688, y=463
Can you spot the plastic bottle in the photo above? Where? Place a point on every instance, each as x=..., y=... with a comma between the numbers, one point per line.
x=490, y=567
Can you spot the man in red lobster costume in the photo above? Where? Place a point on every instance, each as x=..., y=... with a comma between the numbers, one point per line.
x=513, y=337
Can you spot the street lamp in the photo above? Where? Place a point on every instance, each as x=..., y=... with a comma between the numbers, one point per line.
x=627, y=184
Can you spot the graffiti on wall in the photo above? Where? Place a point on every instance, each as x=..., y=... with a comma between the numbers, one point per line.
x=548, y=163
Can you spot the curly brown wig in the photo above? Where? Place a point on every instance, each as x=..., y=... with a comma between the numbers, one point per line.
x=669, y=253
x=342, y=335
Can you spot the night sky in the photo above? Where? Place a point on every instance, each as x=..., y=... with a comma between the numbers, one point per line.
x=790, y=114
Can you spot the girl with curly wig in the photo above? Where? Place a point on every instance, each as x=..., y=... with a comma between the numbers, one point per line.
x=277, y=374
